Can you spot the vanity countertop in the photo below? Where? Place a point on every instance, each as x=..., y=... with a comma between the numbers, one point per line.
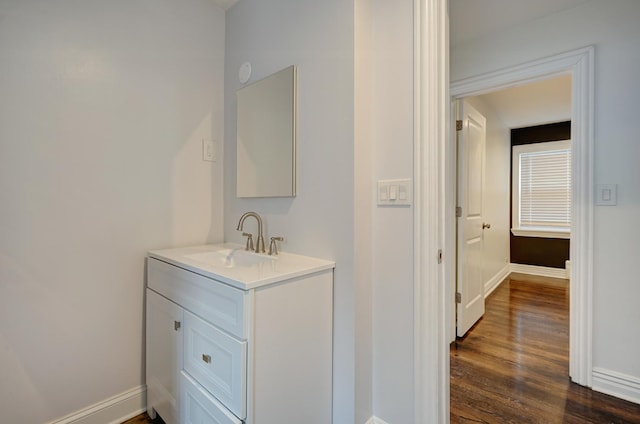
x=231, y=264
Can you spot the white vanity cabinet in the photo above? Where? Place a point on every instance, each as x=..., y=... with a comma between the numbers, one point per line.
x=236, y=346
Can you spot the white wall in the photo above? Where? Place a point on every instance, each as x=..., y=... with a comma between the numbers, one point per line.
x=318, y=37
x=495, y=197
x=355, y=127
x=612, y=27
x=393, y=226
x=103, y=106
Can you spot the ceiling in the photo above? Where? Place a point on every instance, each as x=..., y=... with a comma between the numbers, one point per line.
x=540, y=102
x=476, y=18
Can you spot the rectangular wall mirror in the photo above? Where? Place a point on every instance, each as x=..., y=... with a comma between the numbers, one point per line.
x=266, y=138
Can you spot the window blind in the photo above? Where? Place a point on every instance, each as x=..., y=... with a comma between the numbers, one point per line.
x=545, y=189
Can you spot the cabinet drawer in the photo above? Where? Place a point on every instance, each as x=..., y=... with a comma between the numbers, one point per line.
x=217, y=361
x=198, y=406
x=214, y=301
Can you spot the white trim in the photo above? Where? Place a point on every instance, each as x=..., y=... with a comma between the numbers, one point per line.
x=543, y=146
x=431, y=120
x=535, y=70
x=542, y=271
x=616, y=384
x=375, y=420
x=581, y=253
x=495, y=281
x=114, y=410
x=557, y=234
x=580, y=64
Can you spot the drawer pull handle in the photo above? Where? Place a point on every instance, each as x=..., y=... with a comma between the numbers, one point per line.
x=176, y=325
x=206, y=358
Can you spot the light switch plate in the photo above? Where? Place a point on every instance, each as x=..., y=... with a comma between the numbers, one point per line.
x=606, y=194
x=383, y=193
x=394, y=192
x=209, y=150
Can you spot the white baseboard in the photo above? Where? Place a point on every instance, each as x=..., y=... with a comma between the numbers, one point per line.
x=114, y=410
x=495, y=281
x=542, y=271
x=375, y=420
x=616, y=384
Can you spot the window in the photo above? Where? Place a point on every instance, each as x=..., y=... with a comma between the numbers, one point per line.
x=542, y=189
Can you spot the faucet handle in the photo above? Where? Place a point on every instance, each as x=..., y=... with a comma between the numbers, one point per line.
x=249, y=245
x=273, y=246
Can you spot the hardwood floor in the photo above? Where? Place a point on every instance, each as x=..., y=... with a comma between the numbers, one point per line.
x=513, y=366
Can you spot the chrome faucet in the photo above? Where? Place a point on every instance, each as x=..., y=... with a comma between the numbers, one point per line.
x=260, y=242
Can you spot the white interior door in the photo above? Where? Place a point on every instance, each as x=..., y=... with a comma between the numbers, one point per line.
x=471, y=151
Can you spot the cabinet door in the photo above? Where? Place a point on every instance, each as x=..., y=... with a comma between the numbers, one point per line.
x=164, y=356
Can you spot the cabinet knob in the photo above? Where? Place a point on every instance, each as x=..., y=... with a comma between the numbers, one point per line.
x=206, y=358
x=485, y=226
x=176, y=325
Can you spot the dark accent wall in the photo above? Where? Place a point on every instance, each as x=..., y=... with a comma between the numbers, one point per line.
x=537, y=250
x=541, y=133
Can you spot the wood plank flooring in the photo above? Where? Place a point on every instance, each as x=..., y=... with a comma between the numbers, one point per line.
x=513, y=366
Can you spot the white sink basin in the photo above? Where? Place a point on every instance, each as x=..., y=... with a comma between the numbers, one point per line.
x=231, y=258
x=231, y=264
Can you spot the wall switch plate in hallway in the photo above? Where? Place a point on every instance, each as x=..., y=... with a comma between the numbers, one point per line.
x=209, y=150
x=394, y=192
x=606, y=194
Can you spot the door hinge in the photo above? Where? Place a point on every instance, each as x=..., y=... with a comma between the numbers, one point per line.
x=458, y=297
x=459, y=125
x=458, y=211
x=439, y=256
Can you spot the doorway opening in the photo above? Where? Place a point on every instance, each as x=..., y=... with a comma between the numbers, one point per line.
x=579, y=65
x=505, y=225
